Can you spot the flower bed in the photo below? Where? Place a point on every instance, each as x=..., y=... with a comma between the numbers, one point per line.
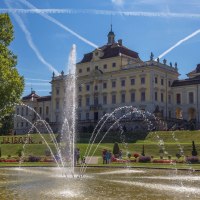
x=117, y=160
x=9, y=160
x=163, y=161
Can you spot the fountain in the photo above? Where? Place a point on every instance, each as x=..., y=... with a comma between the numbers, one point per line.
x=66, y=181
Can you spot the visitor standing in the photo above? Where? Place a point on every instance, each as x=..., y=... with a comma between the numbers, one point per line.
x=104, y=156
x=120, y=154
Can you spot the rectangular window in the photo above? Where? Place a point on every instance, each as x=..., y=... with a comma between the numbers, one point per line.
x=113, y=99
x=161, y=97
x=22, y=112
x=113, y=84
x=26, y=111
x=105, y=99
x=79, y=102
x=132, y=81
x=156, y=96
x=88, y=69
x=47, y=110
x=156, y=80
x=113, y=64
x=87, y=101
x=57, y=118
x=170, y=114
x=104, y=85
x=87, y=87
x=57, y=91
x=191, y=97
x=162, y=81
x=57, y=104
x=79, y=116
x=96, y=100
x=123, y=98
x=87, y=115
x=169, y=98
x=80, y=71
x=123, y=83
x=178, y=98
x=133, y=97
x=96, y=87
x=40, y=110
x=105, y=66
x=143, y=80
x=142, y=96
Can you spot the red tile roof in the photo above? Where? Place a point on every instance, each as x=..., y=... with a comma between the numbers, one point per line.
x=111, y=51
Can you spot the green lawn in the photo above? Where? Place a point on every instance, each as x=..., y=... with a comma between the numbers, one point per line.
x=172, y=143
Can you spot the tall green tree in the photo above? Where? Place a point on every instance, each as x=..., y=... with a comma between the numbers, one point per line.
x=11, y=83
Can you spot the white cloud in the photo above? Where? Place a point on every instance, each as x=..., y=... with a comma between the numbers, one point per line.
x=118, y=2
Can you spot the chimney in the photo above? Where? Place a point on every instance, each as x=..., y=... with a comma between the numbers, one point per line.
x=120, y=42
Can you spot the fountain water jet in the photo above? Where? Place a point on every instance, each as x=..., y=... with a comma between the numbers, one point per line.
x=67, y=137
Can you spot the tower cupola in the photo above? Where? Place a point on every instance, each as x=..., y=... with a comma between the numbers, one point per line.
x=111, y=37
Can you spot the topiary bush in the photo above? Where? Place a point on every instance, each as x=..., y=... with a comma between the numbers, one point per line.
x=194, y=151
x=116, y=150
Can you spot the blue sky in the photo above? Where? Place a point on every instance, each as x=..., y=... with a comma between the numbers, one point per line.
x=144, y=25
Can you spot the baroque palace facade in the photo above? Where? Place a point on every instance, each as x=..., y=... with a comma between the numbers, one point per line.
x=113, y=76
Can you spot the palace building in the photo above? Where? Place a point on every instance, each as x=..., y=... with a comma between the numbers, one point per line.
x=112, y=76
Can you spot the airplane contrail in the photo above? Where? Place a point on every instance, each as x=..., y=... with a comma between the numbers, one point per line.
x=44, y=12
x=60, y=24
x=179, y=43
x=30, y=41
x=35, y=10
x=40, y=84
x=34, y=79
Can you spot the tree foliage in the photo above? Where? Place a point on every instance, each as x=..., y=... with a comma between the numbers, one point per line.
x=11, y=83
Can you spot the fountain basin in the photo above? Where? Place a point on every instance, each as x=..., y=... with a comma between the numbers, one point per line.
x=98, y=183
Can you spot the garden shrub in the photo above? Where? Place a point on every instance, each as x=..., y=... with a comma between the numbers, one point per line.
x=33, y=159
x=136, y=155
x=192, y=159
x=144, y=159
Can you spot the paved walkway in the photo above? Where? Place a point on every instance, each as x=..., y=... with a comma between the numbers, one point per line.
x=94, y=160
